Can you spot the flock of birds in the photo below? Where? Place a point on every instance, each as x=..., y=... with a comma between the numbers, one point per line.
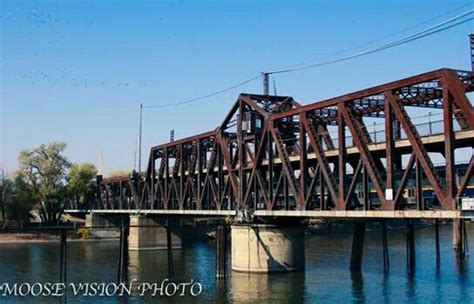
x=50, y=28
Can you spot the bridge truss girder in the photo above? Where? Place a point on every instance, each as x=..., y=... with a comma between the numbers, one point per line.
x=272, y=153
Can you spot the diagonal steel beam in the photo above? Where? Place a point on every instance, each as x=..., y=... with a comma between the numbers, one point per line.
x=465, y=180
x=465, y=111
x=257, y=162
x=355, y=176
x=403, y=181
x=419, y=150
x=321, y=158
x=288, y=170
x=365, y=154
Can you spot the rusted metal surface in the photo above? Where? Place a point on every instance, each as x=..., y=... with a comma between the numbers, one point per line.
x=271, y=153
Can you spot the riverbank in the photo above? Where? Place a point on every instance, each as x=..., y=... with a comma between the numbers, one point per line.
x=32, y=237
x=27, y=237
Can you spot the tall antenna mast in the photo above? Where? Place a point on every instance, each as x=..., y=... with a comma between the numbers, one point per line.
x=135, y=156
x=101, y=168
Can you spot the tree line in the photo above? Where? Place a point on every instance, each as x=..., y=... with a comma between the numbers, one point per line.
x=46, y=182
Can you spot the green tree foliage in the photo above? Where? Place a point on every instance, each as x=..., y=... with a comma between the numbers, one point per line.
x=23, y=201
x=44, y=170
x=118, y=173
x=81, y=185
x=7, y=191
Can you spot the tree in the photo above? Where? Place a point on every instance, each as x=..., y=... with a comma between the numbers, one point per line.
x=81, y=184
x=7, y=191
x=118, y=173
x=44, y=170
x=23, y=201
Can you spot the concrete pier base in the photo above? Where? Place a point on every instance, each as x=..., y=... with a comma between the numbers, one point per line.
x=267, y=248
x=147, y=234
x=102, y=226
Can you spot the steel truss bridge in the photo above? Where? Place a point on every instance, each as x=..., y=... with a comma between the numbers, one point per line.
x=273, y=156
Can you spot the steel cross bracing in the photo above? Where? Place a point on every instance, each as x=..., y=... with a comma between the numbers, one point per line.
x=271, y=153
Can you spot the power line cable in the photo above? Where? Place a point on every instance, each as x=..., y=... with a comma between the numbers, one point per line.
x=421, y=34
x=418, y=35
x=404, y=30
x=204, y=96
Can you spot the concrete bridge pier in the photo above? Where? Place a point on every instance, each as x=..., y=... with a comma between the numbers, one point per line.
x=267, y=248
x=148, y=233
x=102, y=226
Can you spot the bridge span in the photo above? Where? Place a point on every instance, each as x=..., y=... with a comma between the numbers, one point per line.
x=401, y=150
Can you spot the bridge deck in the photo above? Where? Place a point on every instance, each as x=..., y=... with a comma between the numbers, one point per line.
x=368, y=214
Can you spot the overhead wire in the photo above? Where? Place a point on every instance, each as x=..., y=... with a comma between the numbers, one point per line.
x=442, y=26
x=204, y=96
x=418, y=35
x=404, y=30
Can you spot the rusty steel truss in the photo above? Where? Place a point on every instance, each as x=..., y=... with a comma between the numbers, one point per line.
x=271, y=153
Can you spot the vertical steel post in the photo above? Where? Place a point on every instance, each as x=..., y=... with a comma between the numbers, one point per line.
x=240, y=151
x=221, y=251
x=386, y=261
x=322, y=195
x=169, y=245
x=181, y=177
x=166, y=178
x=458, y=238
x=270, y=169
x=365, y=189
x=63, y=257
x=357, y=245
x=199, y=175
x=122, y=275
x=450, y=190
x=341, y=131
x=120, y=257
x=438, y=257
x=389, y=151
x=418, y=186
x=410, y=230
x=303, y=162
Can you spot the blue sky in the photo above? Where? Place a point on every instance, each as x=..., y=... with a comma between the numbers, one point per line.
x=76, y=71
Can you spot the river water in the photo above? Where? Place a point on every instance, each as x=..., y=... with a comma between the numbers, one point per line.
x=326, y=279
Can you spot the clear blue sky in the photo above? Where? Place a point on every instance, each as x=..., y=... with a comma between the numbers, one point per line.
x=76, y=71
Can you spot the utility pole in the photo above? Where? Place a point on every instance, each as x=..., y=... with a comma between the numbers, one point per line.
x=172, y=135
x=266, y=83
x=471, y=40
x=140, y=139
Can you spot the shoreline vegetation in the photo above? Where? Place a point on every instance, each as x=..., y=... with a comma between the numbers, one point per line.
x=32, y=238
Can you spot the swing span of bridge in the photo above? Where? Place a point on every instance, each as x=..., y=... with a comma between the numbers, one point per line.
x=272, y=156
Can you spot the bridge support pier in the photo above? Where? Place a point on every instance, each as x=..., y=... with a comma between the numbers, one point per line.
x=459, y=238
x=267, y=248
x=103, y=226
x=357, y=245
x=386, y=259
x=411, y=260
x=148, y=234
